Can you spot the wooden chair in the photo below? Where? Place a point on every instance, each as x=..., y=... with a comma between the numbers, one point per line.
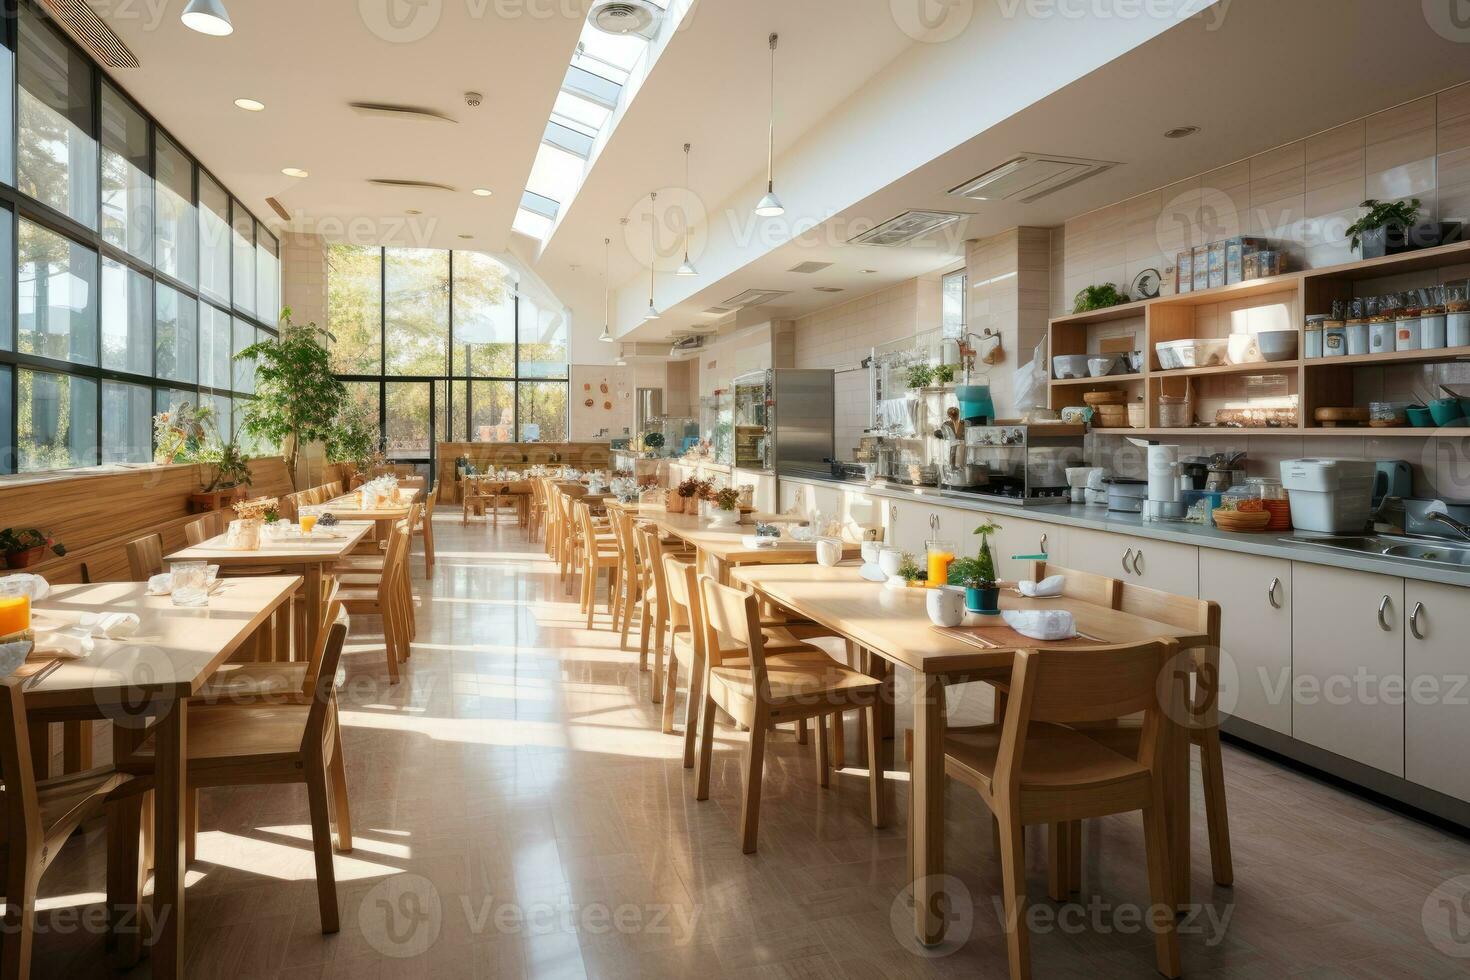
x=426, y=530
x=1033, y=768
x=388, y=595
x=39, y=815
x=631, y=578
x=474, y=499
x=1202, y=708
x=598, y=553
x=770, y=688
x=201, y=529
x=145, y=557
x=231, y=746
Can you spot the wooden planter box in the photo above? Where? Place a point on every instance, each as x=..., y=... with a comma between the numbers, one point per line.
x=202, y=503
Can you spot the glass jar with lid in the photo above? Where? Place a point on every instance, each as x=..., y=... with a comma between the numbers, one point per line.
x=1273, y=497
x=1314, y=334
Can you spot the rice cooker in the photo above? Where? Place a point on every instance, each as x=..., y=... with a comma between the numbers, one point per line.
x=1330, y=496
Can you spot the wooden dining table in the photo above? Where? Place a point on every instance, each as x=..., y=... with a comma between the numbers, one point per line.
x=719, y=548
x=893, y=625
x=312, y=556
x=349, y=506
x=151, y=674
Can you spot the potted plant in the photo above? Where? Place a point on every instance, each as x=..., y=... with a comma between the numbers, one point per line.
x=919, y=375
x=182, y=431
x=977, y=575
x=297, y=397
x=23, y=546
x=944, y=374
x=911, y=572
x=354, y=440
x=1391, y=227
x=1098, y=298
x=653, y=442
x=726, y=507
x=685, y=497
x=231, y=480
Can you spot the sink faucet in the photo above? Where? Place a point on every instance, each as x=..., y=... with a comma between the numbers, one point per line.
x=1436, y=512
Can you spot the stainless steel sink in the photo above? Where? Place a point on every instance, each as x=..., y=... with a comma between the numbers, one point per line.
x=1426, y=550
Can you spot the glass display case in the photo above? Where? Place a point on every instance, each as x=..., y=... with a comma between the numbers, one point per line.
x=680, y=432
x=752, y=418
x=717, y=425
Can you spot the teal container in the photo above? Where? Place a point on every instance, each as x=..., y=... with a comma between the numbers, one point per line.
x=1419, y=417
x=1448, y=411
x=976, y=405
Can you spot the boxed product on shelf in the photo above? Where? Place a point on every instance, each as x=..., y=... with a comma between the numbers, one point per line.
x=1236, y=250
x=1215, y=257
x=1184, y=271
x=1201, y=267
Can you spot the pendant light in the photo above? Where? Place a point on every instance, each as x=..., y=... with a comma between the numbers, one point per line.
x=770, y=206
x=652, y=313
x=207, y=17
x=606, y=336
x=687, y=269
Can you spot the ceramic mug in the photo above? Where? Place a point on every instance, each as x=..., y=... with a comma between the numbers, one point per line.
x=945, y=605
x=870, y=552
x=889, y=561
x=829, y=551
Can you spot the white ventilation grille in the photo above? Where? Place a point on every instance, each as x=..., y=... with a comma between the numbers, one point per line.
x=807, y=268
x=717, y=310
x=82, y=22
x=754, y=297
x=390, y=110
x=905, y=228
x=828, y=289
x=625, y=17
x=1030, y=177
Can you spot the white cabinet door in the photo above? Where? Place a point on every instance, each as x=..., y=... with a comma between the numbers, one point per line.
x=1255, y=596
x=906, y=524
x=1437, y=711
x=1162, y=565
x=1100, y=552
x=1348, y=664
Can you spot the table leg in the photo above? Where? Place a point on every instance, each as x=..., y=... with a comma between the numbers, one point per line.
x=313, y=608
x=926, y=835
x=170, y=790
x=76, y=746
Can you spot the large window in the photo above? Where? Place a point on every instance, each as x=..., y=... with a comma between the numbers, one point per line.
x=440, y=347
x=110, y=233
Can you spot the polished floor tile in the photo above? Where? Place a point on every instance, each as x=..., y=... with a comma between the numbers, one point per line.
x=518, y=814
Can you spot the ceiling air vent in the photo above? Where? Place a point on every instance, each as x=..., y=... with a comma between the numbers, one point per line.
x=639, y=17
x=427, y=185
x=754, y=297
x=1030, y=177
x=717, y=311
x=828, y=289
x=810, y=267
x=390, y=110
x=905, y=228
x=82, y=22
x=278, y=208
x=685, y=344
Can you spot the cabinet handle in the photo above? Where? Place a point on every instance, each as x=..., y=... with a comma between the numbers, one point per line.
x=1127, y=556
x=1137, y=561
x=1271, y=593
x=1414, y=621
x=1383, y=623
x=1042, y=549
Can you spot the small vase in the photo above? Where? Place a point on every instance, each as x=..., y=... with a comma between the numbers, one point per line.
x=986, y=602
x=23, y=559
x=675, y=504
x=724, y=518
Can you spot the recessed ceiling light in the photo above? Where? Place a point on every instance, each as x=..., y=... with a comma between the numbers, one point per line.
x=482, y=192
x=294, y=172
x=207, y=17
x=250, y=105
x=1179, y=132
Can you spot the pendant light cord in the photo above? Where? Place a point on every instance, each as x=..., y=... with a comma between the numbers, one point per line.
x=652, y=241
x=771, y=124
x=687, y=193
x=606, y=283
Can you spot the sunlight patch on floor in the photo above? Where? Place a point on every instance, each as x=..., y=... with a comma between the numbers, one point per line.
x=360, y=842
x=280, y=861
x=636, y=742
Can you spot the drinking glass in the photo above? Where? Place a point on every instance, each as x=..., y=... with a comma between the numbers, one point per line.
x=941, y=554
x=307, y=516
x=15, y=608
x=190, y=586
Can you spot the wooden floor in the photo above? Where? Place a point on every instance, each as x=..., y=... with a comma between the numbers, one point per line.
x=517, y=813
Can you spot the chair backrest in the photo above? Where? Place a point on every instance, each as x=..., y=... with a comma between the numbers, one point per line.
x=322, y=686
x=201, y=529
x=21, y=812
x=653, y=552
x=429, y=500
x=334, y=490
x=331, y=609
x=1098, y=590
x=684, y=611
x=395, y=558
x=145, y=556
x=731, y=613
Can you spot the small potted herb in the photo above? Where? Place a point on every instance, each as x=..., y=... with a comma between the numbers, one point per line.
x=232, y=478
x=977, y=575
x=1098, y=298
x=912, y=573
x=1392, y=227
x=23, y=546
x=919, y=375
x=726, y=507
x=944, y=374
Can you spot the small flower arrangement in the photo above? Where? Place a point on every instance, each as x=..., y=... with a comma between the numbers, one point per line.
x=23, y=546
x=727, y=498
x=910, y=571
x=256, y=510
x=689, y=488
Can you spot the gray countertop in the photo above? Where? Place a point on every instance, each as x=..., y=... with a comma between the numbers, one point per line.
x=1099, y=518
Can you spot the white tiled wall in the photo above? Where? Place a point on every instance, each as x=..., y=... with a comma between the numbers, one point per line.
x=304, y=277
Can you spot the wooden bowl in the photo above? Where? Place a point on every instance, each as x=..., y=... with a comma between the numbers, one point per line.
x=1234, y=520
x=1331, y=417
x=1105, y=397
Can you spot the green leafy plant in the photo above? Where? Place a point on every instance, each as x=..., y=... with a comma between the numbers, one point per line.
x=727, y=498
x=944, y=374
x=1098, y=298
x=909, y=569
x=183, y=432
x=978, y=572
x=1381, y=214
x=14, y=539
x=354, y=438
x=920, y=375
x=297, y=397
x=231, y=468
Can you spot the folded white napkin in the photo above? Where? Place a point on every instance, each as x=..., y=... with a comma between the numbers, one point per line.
x=72, y=643
x=758, y=541
x=118, y=626
x=161, y=584
x=12, y=655
x=37, y=586
x=1041, y=624
x=1049, y=586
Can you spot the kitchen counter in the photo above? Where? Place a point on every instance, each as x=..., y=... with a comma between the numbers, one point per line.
x=1099, y=518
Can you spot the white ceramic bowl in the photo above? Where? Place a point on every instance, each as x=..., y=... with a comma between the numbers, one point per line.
x=1065, y=366
x=1101, y=366
x=1242, y=349
x=1277, y=345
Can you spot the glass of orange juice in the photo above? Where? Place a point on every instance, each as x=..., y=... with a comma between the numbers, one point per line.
x=308, y=518
x=15, y=609
x=941, y=553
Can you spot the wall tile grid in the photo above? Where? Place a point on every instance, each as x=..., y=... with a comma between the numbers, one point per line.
x=304, y=277
x=1302, y=196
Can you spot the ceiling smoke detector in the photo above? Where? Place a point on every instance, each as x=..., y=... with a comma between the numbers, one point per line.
x=623, y=17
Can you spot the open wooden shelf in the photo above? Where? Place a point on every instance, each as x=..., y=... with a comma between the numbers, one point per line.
x=1179, y=316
